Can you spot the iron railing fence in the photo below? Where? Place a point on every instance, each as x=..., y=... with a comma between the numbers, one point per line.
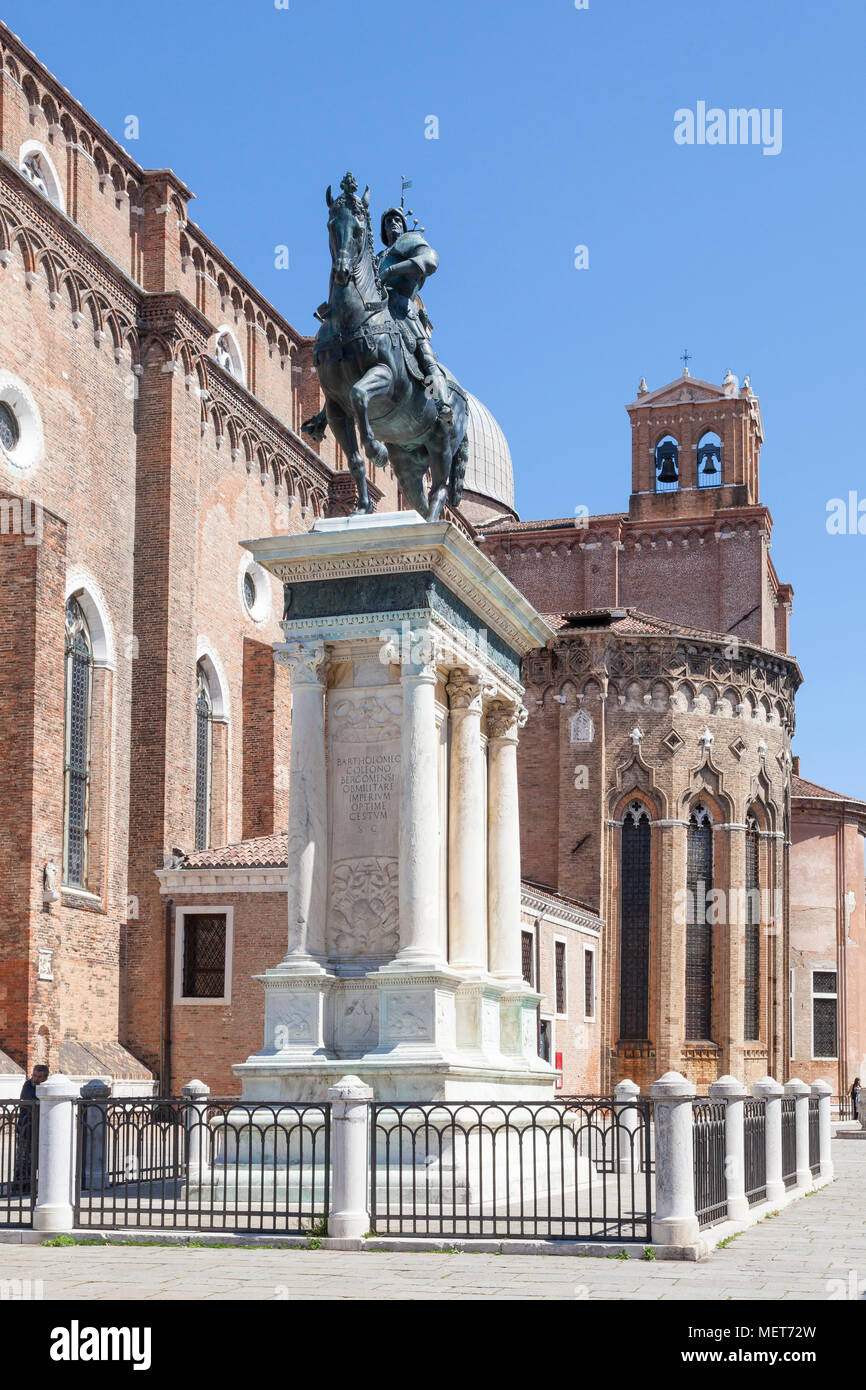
x=842, y=1107
x=19, y=1157
x=568, y=1169
x=755, y=1137
x=220, y=1164
x=789, y=1141
x=711, y=1189
x=814, y=1140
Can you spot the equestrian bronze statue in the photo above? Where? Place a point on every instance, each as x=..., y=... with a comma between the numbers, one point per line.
x=380, y=376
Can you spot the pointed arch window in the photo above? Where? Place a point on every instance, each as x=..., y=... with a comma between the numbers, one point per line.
x=203, y=758
x=699, y=933
x=709, y=460
x=752, y=991
x=78, y=701
x=667, y=464
x=634, y=923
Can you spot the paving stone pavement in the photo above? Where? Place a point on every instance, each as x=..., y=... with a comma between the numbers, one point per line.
x=795, y=1255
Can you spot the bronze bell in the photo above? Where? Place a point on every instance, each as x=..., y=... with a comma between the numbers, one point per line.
x=710, y=455
x=666, y=455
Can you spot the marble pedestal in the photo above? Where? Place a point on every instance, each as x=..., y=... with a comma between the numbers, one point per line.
x=403, y=963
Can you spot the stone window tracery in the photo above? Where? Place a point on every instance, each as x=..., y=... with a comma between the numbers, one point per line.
x=36, y=166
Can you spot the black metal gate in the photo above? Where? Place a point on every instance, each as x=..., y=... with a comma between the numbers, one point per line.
x=19, y=1161
x=210, y=1165
x=711, y=1189
x=572, y=1169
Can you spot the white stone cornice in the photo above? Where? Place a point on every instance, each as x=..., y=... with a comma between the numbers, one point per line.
x=222, y=880
x=544, y=908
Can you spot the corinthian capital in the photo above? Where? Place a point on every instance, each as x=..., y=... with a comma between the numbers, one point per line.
x=305, y=660
x=464, y=691
x=505, y=719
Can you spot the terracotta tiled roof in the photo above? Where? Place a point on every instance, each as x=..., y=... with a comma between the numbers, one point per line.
x=267, y=852
x=813, y=791
x=630, y=622
x=557, y=523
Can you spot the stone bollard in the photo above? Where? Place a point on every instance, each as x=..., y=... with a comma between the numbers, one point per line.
x=824, y=1094
x=94, y=1149
x=734, y=1094
x=674, y=1220
x=800, y=1091
x=349, y=1218
x=54, y=1205
x=627, y=1121
x=197, y=1133
x=771, y=1092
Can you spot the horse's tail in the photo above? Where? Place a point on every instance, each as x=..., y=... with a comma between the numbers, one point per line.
x=458, y=472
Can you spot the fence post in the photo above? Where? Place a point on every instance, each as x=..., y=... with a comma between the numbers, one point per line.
x=54, y=1204
x=349, y=1218
x=674, y=1221
x=197, y=1133
x=94, y=1146
x=770, y=1092
x=734, y=1094
x=627, y=1121
x=800, y=1091
x=824, y=1094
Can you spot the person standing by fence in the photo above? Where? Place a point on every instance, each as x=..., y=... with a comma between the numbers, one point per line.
x=855, y=1099
x=24, y=1131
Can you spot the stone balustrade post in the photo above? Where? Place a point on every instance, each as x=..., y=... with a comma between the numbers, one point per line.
x=94, y=1150
x=627, y=1120
x=54, y=1205
x=824, y=1094
x=198, y=1150
x=771, y=1093
x=349, y=1217
x=801, y=1092
x=675, y=1220
x=734, y=1094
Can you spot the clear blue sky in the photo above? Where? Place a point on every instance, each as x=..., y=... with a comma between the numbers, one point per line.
x=555, y=129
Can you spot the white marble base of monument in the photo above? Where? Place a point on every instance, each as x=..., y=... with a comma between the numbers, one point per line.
x=403, y=964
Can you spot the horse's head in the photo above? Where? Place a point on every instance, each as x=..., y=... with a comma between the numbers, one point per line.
x=348, y=229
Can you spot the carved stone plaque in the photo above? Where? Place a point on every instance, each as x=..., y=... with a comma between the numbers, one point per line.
x=364, y=768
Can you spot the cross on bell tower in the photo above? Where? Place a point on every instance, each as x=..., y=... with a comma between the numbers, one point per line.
x=686, y=359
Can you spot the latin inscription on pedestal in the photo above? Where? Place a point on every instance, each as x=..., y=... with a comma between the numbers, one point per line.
x=364, y=774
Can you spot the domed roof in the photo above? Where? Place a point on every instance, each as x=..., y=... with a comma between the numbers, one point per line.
x=488, y=469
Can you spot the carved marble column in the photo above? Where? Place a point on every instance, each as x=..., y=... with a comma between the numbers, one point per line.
x=504, y=719
x=419, y=813
x=308, y=806
x=466, y=826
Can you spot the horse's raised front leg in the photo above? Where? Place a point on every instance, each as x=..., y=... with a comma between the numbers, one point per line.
x=378, y=381
x=343, y=427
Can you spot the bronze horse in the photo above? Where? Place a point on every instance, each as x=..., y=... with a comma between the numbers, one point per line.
x=370, y=387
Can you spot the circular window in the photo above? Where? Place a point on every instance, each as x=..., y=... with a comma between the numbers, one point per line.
x=9, y=432
x=255, y=591
x=249, y=591
x=22, y=443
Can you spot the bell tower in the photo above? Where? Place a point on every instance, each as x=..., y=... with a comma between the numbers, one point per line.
x=695, y=448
